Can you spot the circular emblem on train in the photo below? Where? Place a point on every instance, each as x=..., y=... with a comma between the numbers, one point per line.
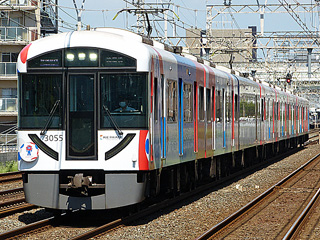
x=29, y=152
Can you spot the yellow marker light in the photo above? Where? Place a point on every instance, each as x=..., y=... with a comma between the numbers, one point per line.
x=82, y=56
x=70, y=57
x=93, y=57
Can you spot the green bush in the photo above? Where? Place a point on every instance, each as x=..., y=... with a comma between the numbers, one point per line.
x=11, y=166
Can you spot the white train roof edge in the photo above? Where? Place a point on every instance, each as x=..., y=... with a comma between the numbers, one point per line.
x=121, y=40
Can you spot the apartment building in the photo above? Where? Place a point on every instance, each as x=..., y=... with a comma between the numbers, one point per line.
x=21, y=21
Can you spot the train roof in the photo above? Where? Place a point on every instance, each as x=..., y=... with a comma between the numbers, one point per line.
x=128, y=43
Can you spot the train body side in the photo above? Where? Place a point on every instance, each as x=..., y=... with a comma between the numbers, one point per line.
x=185, y=112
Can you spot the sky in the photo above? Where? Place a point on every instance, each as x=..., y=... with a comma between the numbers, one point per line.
x=100, y=13
x=191, y=13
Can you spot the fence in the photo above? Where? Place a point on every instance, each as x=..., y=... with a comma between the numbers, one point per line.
x=8, y=69
x=18, y=33
x=8, y=140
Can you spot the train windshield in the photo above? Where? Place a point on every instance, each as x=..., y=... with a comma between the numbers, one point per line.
x=38, y=95
x=125, y=96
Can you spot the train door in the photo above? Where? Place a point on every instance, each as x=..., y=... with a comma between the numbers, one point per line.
x=224, y=117
x=262, y=135
x=257, y=116
x=208, y=127
x=214, y=117
x=236, y=131
x=195, y=112
x=163, y=120
x=81, y=117
x=201, y=123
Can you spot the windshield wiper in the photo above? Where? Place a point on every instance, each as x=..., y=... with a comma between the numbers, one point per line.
x=53, y=110
x=115, y=125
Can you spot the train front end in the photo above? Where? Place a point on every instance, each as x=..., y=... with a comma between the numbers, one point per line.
x=83, y=121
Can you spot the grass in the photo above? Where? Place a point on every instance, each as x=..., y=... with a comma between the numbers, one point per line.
x=11, y=166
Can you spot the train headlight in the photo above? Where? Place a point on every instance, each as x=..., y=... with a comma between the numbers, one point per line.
x=70, y=57
x=93, y=57
x=82, y=56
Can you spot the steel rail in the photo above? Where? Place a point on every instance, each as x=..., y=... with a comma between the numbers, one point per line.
x=294, y=228
x=231, y=218
x=30, y=227
x=6, y=177
x=14, y=190
x=12, y=202
x=9, y=173
x=11, y=206
x=23, y=206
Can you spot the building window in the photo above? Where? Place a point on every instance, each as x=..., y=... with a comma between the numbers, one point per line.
x=10, y=22
x=9, y=57
x=9, y=92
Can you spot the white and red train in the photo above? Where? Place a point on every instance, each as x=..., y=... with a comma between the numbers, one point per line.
x=108, y=118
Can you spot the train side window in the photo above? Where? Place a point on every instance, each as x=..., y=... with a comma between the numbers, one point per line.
x=257, y=110
x=223, y=111
x=201, y=103
x=213, y=101
x=268, y=110
x=208, y=105
x=228, y=106
x=236, y=110
x=218, y=106
x=156, y=101
x=276, y=111
x=262, y=109
x=187, y=103
x=172, y=101
x=280, y=112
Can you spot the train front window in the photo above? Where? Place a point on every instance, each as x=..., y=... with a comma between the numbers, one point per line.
x=38, y=95
x=125, y=96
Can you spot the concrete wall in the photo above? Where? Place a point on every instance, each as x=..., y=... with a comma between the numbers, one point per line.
x=8, y=156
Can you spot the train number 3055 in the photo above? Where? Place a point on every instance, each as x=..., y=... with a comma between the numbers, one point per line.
x=53, y=138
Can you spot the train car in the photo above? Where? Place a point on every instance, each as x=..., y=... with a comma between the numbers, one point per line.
x=108, y=118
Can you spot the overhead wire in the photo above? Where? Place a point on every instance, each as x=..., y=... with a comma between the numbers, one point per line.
x=170, y=22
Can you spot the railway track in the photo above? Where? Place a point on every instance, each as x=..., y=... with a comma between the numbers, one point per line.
x=13, y=201
x=313, y=136
x=278, y=212
x=11, y=176
x=43, y=225
x=116, y=223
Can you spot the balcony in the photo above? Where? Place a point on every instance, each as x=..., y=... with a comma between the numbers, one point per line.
x=8, y=105
x=16, y=2
x=8, y=69
x=19, y=4
x=18, y=34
